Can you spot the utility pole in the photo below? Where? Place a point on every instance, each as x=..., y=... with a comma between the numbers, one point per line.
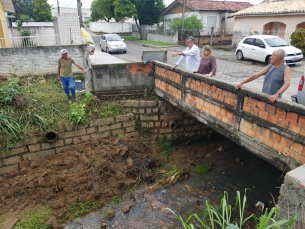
x=183, y=17
x=58, y=10
x=80, y=15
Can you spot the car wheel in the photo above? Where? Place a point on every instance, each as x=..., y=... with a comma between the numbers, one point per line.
x=107, y=50
x=268, y=59
x=239, y=55
x=125, y=51
x=102, y=49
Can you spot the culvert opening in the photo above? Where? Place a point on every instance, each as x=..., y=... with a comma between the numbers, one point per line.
x=172, y=124
x=51, y=136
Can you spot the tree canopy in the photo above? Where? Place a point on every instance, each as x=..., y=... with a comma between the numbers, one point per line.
x=23, y=7
x=144, y=12
x=42, y=11
x=190, y=22
x=103, y=9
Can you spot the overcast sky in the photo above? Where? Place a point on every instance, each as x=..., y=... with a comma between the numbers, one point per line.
x=87, y=3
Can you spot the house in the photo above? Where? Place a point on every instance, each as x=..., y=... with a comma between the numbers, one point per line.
x=213, y=13
x=6, y=6
x=279, y=18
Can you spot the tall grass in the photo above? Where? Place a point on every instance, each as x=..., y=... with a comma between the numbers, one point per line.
x=212, y=218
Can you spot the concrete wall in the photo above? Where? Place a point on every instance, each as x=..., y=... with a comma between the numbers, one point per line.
x=274, y=132
x=109, y=27
x=120, y=77
x=149, y=117
x=136, y=35
x=162, y=38
x=38, y=60
x=292, y=196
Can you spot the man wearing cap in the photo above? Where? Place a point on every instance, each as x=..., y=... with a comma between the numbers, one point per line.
x=65, y=74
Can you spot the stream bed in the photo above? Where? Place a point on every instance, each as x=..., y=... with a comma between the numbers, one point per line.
x=233, y=169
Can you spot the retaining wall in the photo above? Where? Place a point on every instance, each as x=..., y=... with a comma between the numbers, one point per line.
x=108, y=78
x=39, y=60
x=148, y=117
x=274, y=132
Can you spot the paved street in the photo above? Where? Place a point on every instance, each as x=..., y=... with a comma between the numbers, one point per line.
x=226, y=70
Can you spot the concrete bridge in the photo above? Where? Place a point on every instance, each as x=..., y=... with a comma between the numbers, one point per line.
x=273, y=132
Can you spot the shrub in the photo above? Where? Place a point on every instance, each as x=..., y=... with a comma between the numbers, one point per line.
x=298, y=39
x=77, y=114
x=8, y=91
x=190, y=22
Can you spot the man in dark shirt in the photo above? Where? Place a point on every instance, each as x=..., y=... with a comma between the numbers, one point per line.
x=277, y=76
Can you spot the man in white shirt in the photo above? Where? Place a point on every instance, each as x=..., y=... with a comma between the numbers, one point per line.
x=191, y=55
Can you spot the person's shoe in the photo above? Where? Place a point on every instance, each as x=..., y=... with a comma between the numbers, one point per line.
x=74, y=98
x=69, y=98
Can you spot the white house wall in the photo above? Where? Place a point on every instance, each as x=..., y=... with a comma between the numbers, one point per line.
x=109, y=27
x=201, y=15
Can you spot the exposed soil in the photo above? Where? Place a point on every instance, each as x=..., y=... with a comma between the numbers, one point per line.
x=95, y=170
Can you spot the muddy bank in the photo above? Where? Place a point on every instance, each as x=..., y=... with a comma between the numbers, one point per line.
x=233, y=169
x=95, y=170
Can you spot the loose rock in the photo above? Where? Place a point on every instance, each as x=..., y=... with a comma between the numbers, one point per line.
x=109, y=213
x=126, y=208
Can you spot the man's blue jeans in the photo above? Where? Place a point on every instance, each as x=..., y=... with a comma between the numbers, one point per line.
x=68, y=84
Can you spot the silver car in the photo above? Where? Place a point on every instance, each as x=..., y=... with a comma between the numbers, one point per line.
x=112, y=43
x=300, y=96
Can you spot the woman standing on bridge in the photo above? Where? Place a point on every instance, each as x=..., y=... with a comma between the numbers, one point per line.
x=207, y=65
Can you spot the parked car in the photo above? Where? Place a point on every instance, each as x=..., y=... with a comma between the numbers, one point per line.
x=261, y=47
x=112, y=43
x=300, y=96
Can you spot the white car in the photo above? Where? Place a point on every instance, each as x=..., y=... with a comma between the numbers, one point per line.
x=261, y=47
x=112, y=43
x=300, y=96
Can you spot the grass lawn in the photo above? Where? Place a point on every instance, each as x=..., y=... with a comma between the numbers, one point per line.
x=130, y=38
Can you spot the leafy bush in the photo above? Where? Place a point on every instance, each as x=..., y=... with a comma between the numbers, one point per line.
x=190, y=22
x=77, y=114
x=9, y=90
x=165, y=147
x=25, y=33
x=222, y=217
x=298, y=39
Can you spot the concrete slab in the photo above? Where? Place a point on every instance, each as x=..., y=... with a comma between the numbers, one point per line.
x=104, y=58
x=9, y=223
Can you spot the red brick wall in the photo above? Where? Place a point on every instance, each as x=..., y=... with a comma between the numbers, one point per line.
x=279, y=127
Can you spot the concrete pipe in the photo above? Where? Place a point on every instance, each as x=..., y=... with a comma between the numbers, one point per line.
x=172, y=124
x=50, y=136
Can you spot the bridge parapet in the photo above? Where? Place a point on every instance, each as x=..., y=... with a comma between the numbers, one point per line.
x=274, y=132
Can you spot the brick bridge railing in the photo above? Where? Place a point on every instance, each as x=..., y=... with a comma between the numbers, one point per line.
x=274, y=132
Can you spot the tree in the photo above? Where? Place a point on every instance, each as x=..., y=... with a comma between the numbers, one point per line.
x=103, y=10
x=42, y=11
x=145, y=12
x=191, y=22
x=23, y=7
x=23, y=18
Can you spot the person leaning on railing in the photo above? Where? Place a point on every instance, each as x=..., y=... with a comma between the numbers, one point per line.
x=207, y=65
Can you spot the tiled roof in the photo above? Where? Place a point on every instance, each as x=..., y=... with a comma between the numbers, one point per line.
x=278, y=7
x=207, y=5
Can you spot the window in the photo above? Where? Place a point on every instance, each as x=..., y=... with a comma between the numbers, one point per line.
x=258, y=42
x=248, y=41
x=276, y=42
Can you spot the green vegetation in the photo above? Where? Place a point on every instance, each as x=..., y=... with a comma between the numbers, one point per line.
x=77, y=113
x=29, y=107
x=165, y=147
x=34, y=219
x=298, y=39
x=191, y=22
x=78, y=209
x=170, y=173
x=117, y=199
x=42, y=11
x=202, y=168
x=130, y=38
x=149, y=93
x=222, y=217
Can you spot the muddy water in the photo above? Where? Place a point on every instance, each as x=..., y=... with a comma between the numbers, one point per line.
x=234, y=169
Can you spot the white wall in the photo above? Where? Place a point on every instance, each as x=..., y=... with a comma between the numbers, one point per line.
x=109, y=27
x=163, y=38
x=201, y=15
